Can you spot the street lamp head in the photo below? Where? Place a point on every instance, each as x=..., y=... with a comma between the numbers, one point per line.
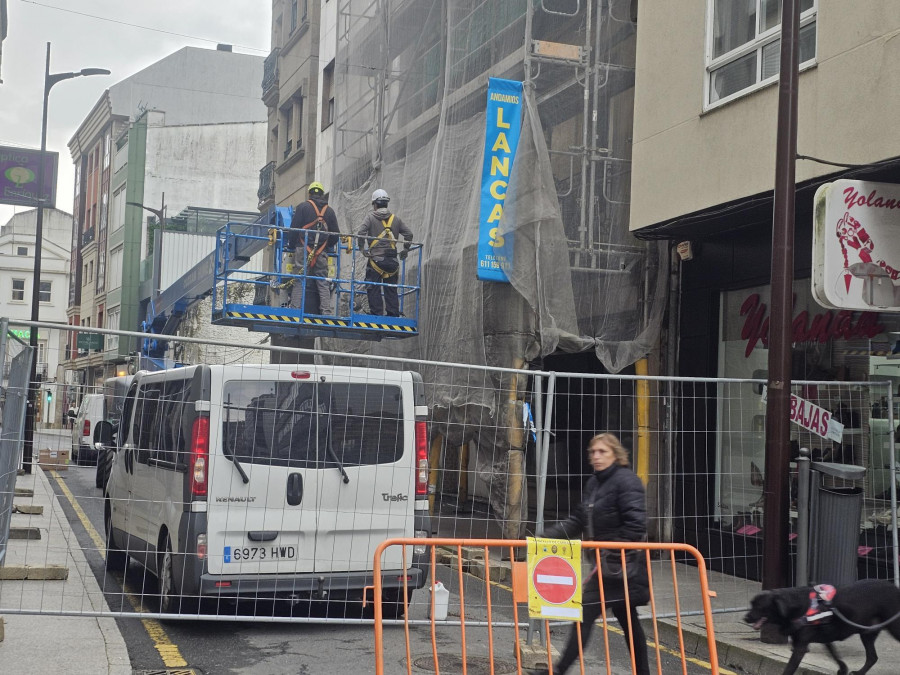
x=94, y=71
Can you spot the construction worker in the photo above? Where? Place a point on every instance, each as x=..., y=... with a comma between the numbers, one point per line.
x=312, y=220
x=378, y=242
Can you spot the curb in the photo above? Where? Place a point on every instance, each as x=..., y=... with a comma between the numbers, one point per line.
x=731, y=656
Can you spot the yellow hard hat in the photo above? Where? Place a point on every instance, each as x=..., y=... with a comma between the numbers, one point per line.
x=316, y=187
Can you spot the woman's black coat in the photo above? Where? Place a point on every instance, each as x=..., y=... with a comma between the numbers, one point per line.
x=612, y=509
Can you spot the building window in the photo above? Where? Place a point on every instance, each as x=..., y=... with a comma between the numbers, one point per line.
x=91, y=271
x=287, y=114
x=744, y=45
x=328, y=95
x=112, y=323
x=294, y=12
x=18, y=290
x=115, y=267
x=22, y=250
x=44, y=293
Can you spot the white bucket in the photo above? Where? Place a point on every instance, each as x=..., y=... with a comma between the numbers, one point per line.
x=441, y=601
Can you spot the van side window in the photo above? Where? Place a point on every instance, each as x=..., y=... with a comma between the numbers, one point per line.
x=127, y=408
x=170, y=444
x=145, y=422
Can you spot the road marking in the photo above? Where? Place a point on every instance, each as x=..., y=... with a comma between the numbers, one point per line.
x=168, y=651
x=615, y=629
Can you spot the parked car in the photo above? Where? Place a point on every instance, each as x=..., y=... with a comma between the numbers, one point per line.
x=86, y=417
x=114, y=390
x=269, y=481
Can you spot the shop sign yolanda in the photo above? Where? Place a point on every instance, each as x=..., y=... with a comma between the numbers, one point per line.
x=856, y=245
x=820, y=327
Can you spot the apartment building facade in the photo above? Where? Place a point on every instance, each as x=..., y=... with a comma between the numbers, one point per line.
x=190, y=130
x=290, y=93
x=17, y=246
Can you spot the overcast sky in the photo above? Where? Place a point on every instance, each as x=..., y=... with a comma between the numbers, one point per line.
x=80, y=41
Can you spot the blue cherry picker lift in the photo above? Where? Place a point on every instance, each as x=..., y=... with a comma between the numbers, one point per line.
x=346, y=264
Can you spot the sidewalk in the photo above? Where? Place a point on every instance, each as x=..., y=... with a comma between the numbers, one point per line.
x=738, y=645
x=46, y=643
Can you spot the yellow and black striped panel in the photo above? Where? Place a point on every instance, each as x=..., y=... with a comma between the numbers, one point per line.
x=288, y=319
x=385, y=326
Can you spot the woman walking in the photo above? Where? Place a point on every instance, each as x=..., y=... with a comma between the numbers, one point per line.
x=613, y=508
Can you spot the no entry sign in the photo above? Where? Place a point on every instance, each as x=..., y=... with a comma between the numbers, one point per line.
x=554, y=579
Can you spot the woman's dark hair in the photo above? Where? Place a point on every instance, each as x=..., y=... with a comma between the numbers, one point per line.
x=612, y=440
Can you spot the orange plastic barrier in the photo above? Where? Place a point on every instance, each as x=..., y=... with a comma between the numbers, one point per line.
x=499, y=606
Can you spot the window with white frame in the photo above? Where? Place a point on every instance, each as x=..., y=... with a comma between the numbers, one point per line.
x=112, y=322
x=115, y=267
x=744, y=45
x=18, y=290
x=44, y=292
x=118, y=210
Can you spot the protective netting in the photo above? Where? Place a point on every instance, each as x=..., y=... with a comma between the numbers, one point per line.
x=410, y=84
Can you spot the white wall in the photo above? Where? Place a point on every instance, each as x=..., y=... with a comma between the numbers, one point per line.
x=208, y=165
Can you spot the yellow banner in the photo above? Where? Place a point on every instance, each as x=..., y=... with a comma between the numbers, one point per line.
x=554, y=579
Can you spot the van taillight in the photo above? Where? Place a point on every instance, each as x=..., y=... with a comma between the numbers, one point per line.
x=199, y=456
x=421, y=459
x=86, y=430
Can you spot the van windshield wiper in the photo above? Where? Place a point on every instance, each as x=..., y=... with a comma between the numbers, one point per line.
x=340, y=467
x=237, y=465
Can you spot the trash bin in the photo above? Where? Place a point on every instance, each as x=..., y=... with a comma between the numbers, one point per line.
x=834, y=524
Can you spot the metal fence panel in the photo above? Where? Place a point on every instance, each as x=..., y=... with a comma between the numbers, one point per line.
x=506, y=456
x=14, y=403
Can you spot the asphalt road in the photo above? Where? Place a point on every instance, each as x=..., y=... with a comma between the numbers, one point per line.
x=268, y=642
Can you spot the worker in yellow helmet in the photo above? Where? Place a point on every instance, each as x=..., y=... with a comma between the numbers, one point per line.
x=314, y=233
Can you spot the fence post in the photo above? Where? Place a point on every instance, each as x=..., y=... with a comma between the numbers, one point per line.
x=803, y=467
x=893, y=474
x=537, y=418
x=542, y=469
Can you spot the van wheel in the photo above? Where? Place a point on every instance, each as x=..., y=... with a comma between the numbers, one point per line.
x=116, y=558
x=394, y=603
x=170, y=599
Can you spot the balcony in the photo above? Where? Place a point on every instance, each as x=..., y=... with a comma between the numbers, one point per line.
x=270, y=78
x=87, y=236
x=266, y=191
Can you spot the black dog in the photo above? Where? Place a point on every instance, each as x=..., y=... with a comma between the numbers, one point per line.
x=871, y=602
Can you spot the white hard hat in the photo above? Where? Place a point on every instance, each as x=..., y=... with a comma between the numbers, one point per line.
x=380, y=196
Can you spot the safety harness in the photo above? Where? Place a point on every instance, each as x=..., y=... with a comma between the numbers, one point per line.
x=386, y=232
x=320, y=226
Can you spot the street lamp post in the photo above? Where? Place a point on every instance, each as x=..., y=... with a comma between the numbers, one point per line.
x=49, y=81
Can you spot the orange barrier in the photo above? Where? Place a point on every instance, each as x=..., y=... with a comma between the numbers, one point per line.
x=496, y=604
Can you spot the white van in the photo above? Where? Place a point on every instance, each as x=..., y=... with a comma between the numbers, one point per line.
x=269, y=481
x=86, y=417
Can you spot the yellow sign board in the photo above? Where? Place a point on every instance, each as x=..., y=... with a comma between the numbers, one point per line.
x=554, y=579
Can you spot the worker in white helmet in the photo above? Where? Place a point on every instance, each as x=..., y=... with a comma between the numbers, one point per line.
x=378, y=242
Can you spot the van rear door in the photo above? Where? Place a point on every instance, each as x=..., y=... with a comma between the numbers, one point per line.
x=267, y=426
x=366, y=492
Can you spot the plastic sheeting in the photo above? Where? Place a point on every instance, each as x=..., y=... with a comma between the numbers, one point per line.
x=410, y=82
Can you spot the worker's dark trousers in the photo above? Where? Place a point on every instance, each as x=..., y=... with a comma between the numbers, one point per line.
x=391, y=301
x=590, y=612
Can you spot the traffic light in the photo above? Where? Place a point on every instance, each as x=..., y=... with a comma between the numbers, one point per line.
x=49, y=396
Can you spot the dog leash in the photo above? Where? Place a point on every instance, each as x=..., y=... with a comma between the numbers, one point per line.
x=877, y=626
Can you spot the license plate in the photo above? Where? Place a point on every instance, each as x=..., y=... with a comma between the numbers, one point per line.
x=256, y=553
